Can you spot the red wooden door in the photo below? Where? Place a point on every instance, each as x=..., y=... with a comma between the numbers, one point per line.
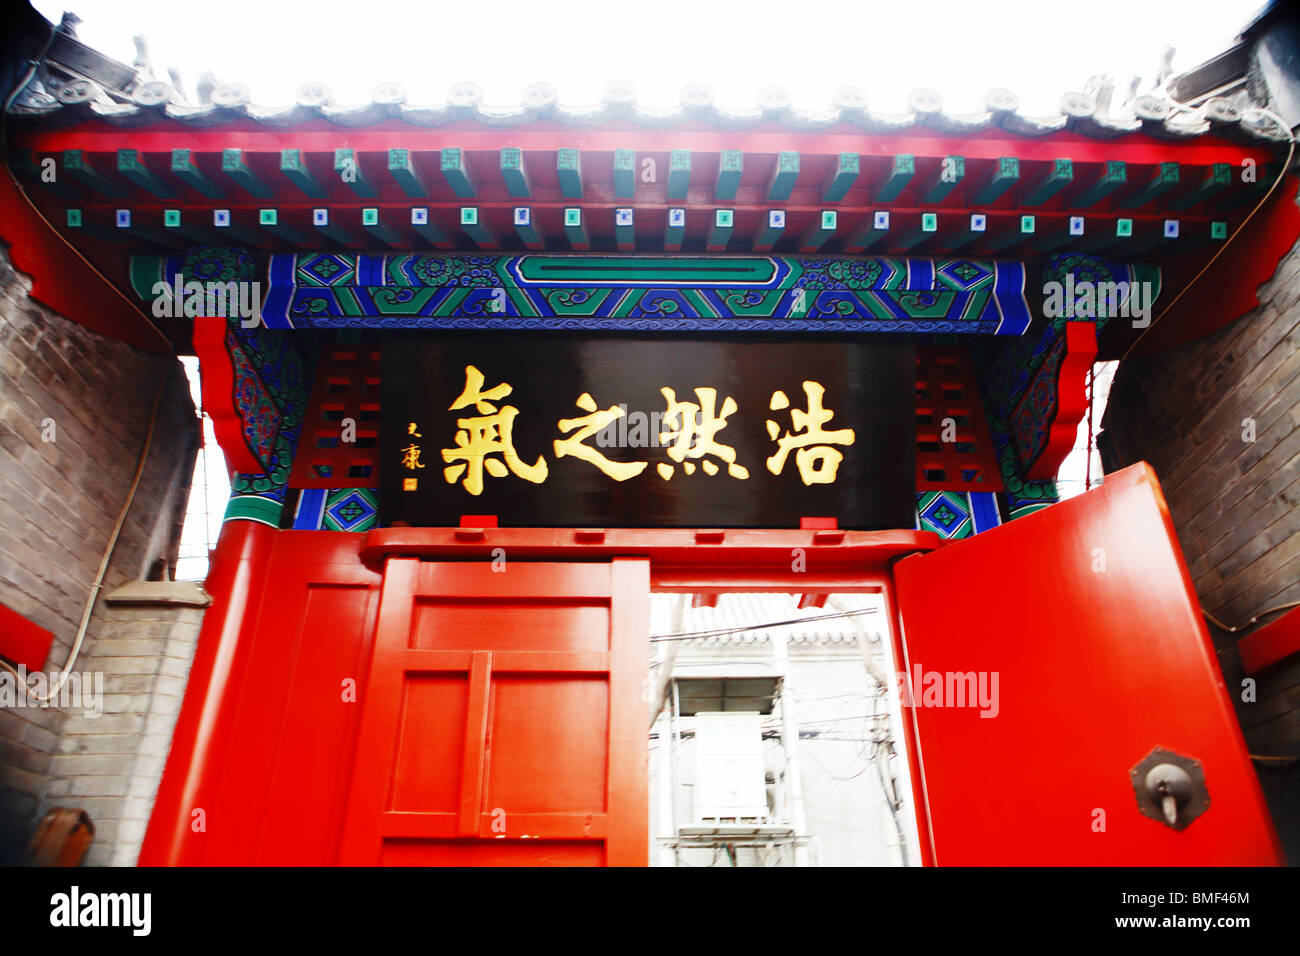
x=1086, y=615
x=503, y=720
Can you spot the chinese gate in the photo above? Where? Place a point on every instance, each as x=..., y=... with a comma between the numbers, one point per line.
x=499, y=715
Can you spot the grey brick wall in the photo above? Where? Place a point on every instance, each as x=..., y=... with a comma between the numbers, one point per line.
x=1234, y=502
x=58, y=503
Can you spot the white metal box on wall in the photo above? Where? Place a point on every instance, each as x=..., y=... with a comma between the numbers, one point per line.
x=729, y=779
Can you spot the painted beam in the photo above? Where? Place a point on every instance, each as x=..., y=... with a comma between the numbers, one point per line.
x=1006, y=173
x=724, y=222
x=373, y=222
x=847, y=169
x=79, y=167
x=925, y=229
x=902, y=167
x=1105, y=235
x=126, y=223
x=973, y=228
x=426, y=227
x=1113, y=175
x=951, y=171
x=269, y=219
x=527, y=229
x=676, y=229
x=473, y=227
x=320, y=219
x=876, y=228
x=575, y=230
x=225, y=224
x=624, y=173
x=457, y=173
x=784, y=176
x=77, y=221
x=1024, y=228
x=1073, y=232
x=173, y=222
x=773, y=228
x=820, y=232
x=347, y=165
x=679, y=173
x=1216, y=180
x=731, y=166
x=234, y=166
x=568, y=170
x=1059, y=175
x=1252, y=192
x=293, y=164
x=624, y=229
x=514, y=173
x=401, y=166
x=187, y=171
x=1165, y=179
x=132, y=167
x=43, y=171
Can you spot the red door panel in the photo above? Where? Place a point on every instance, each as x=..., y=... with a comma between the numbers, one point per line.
x=502, y=722
x=1086, y=615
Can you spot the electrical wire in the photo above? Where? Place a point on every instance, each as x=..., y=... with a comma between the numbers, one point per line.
x=1290, y=153
x=108, y=552
x=692, y=635
x=98, y=584
x=1241, y=627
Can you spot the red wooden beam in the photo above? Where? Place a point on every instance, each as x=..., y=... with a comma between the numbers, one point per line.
x=1271, y=644
x=218, y=388
x=22, y=642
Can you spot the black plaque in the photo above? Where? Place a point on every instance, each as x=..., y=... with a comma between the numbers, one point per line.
x=537, y=390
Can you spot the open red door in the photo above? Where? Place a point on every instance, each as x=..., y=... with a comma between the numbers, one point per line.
x=1067, y=707
x=503, y=722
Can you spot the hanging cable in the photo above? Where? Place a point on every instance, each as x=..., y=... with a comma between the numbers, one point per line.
x=98, y=585
x=759, y=627
x=1290, y=153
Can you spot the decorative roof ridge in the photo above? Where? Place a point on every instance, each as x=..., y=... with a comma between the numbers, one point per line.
x=52, y=100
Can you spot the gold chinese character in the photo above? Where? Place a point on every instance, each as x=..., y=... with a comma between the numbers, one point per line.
x=488, y=434
x=587, y=426
x=410, y=430
x=697, y=427
x=411, y=457
x=817, y=465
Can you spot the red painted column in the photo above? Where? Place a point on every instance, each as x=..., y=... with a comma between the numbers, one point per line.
x=236, y=582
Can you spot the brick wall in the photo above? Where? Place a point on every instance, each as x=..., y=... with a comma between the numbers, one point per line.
x=59, y=500
x=110, y=765
x=1234, y=502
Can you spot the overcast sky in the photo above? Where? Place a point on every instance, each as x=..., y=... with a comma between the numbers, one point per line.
x=1039, y=48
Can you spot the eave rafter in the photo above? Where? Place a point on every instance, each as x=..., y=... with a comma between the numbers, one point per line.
x=990, y=193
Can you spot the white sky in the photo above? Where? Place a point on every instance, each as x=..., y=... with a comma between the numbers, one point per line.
x=1037, y=48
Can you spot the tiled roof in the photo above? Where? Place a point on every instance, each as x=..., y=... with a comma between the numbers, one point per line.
x=156, y=101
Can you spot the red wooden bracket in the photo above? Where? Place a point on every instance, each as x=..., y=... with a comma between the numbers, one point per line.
x=1071, y=399
x=218, y=387
x=478, y=521
x=23, y=642
x=818, y=524
x=1271, y=643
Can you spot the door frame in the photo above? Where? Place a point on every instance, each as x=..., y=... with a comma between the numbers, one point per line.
x=813, y=563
